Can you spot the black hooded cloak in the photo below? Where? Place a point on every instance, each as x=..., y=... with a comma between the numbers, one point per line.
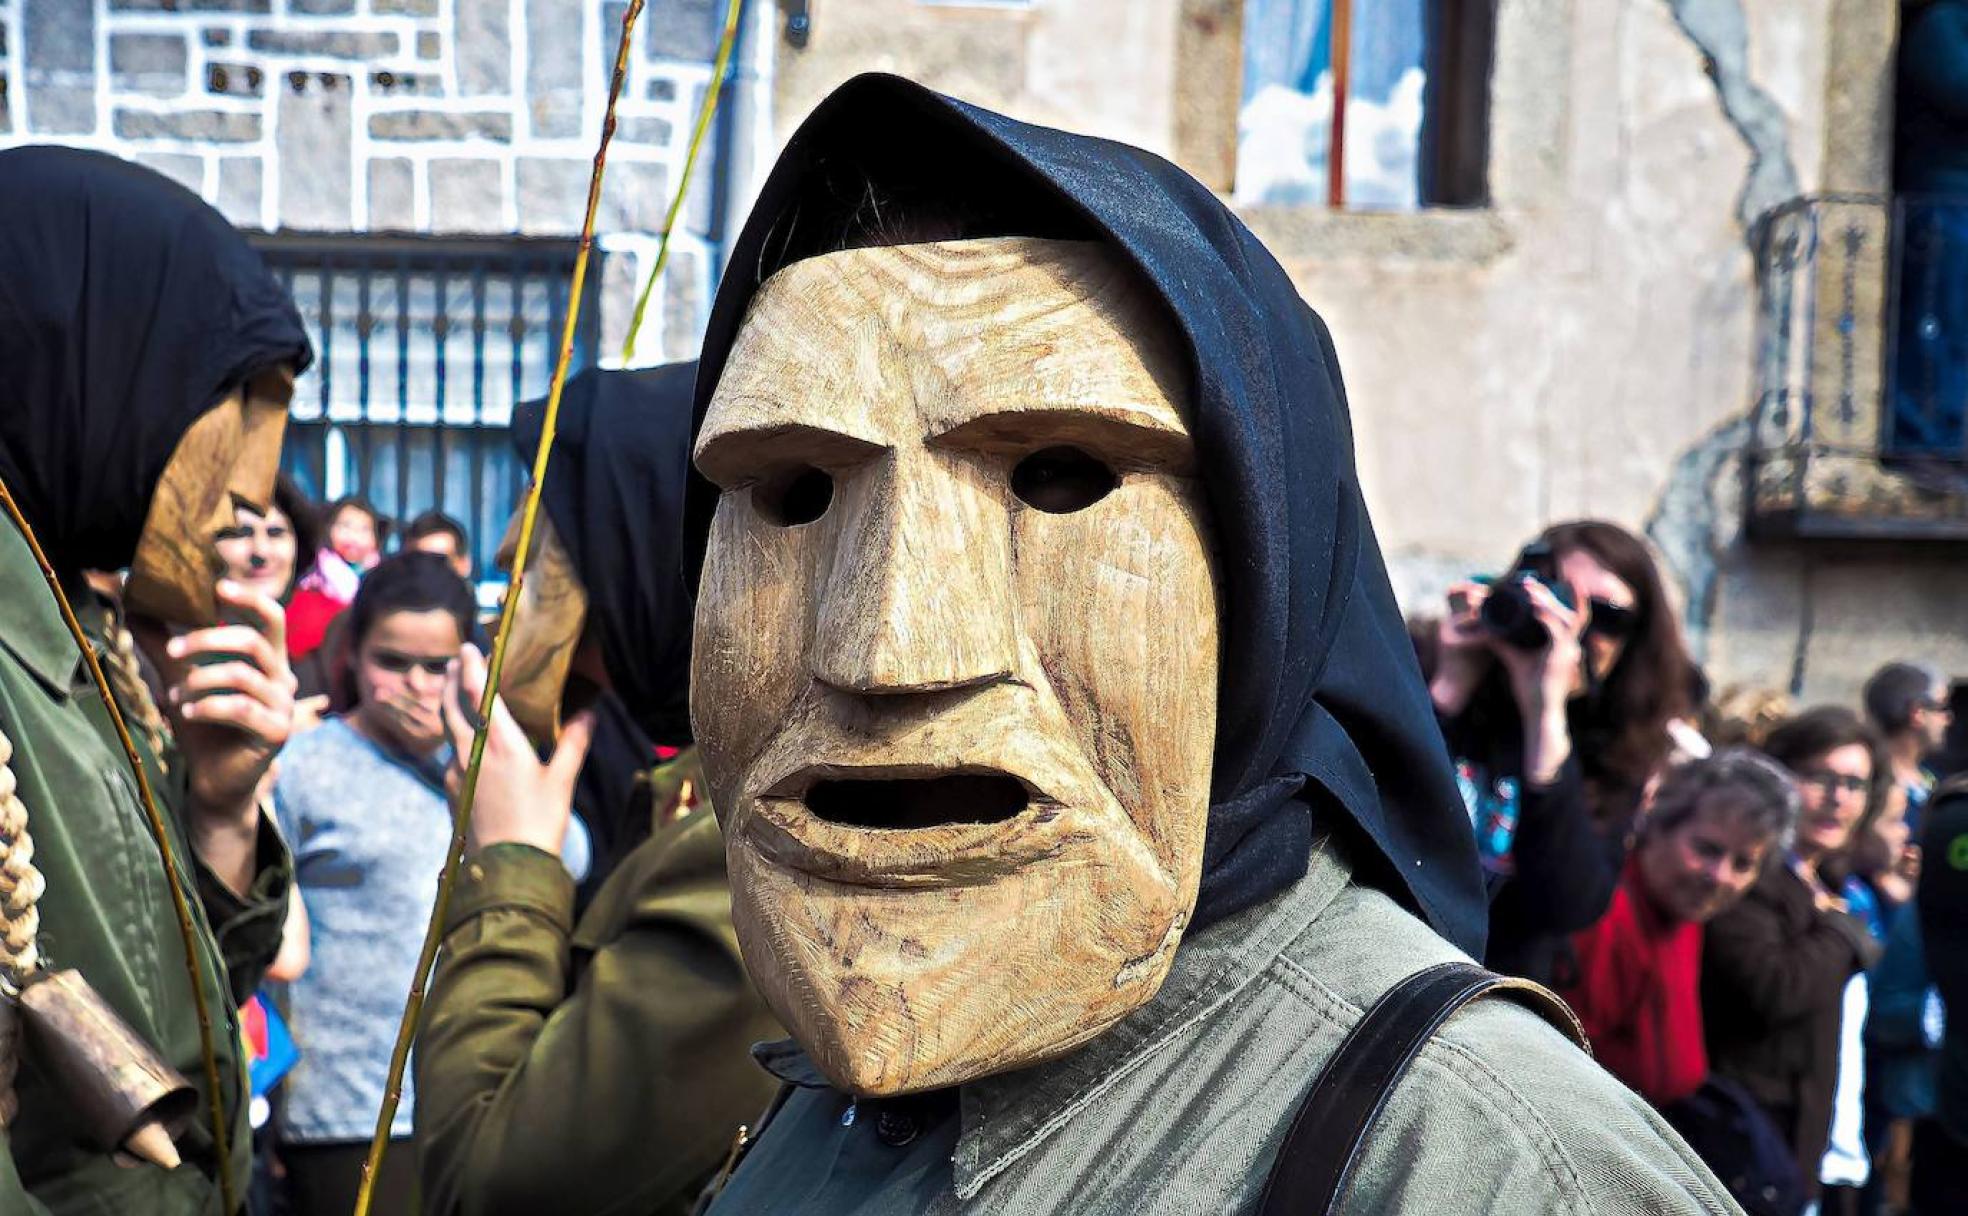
x=614, y=492
x=1322, y=712
x=128, y=307
x=615, y=495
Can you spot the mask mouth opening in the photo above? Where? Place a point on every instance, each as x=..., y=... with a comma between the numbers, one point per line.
x=928, y=802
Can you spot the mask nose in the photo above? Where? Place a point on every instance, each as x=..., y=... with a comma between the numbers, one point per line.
x=918, y=594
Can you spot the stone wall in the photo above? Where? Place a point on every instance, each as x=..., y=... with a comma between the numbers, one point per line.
x=427, y=116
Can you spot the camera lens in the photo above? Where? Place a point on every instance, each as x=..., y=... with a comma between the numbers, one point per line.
x=1508, y=615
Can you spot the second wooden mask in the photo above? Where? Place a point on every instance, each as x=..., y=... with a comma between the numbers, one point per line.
x=549, y=624
x=230, y=455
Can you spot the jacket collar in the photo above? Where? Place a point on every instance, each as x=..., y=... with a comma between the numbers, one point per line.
x=1007, y=1116
x=787, y=1061
x=31, y=627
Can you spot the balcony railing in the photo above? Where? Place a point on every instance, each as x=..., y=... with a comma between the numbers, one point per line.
x=1862, y=370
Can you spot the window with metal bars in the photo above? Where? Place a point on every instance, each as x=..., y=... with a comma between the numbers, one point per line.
x=1375, y=107
x=422, y=348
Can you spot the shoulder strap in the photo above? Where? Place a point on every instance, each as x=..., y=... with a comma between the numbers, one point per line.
x=1326, y=1136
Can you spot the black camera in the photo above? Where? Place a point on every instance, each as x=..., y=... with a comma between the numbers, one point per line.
x=1507, y=613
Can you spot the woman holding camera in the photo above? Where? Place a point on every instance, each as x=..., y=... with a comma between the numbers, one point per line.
x=1554, y=686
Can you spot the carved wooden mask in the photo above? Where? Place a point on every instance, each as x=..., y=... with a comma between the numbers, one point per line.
x=231, y=453
x=547, y=629
x=954, y=675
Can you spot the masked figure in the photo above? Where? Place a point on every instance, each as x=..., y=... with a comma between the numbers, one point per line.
x=1078, y=784
x=588, y=1061
x=148, y=360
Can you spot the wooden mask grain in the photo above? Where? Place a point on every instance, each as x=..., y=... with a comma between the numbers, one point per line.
x=930, y=622
x=232, y=451
x=547, y=629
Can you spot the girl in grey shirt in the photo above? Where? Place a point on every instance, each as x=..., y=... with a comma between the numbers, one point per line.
x=361, y=799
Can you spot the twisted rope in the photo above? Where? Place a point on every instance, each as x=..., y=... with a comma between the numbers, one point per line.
x=21, y=886
x=126, y=679
x=125, y=672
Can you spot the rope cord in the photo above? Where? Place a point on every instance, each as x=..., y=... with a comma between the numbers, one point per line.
x=20, y=922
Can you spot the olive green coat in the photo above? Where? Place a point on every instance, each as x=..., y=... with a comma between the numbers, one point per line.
x=107, y=913
x=598, y=1068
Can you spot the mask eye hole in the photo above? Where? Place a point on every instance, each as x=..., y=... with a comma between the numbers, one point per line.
x=1061, y=480
x=794, y=498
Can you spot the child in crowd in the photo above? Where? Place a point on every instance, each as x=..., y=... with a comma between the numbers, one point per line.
x=361, y=800
x=356, y=532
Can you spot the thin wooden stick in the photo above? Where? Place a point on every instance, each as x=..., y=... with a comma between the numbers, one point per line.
x=461, y=817
x=179, y=903
x=1342, y=84
x=709, y=107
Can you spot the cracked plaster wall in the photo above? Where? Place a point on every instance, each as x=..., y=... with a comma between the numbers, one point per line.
x=1600, y=362
x=1579, y=367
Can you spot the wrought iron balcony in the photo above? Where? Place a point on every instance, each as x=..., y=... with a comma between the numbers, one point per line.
x=1862, y=370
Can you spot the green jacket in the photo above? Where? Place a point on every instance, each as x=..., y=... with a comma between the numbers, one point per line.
x=1942, y=906
x=598, y=1068
x=1180, y=1108
x=107, y=913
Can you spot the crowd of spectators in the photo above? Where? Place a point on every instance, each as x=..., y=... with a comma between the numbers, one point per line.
x=1723, y=887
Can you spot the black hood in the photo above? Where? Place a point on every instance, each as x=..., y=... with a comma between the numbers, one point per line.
x=128, y=307
x=1322, y=713
x=614, y=492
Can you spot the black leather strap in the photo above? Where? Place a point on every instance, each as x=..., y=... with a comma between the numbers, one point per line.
x=1326, y=1136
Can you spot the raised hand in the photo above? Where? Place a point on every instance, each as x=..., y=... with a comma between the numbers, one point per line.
x=520, y=800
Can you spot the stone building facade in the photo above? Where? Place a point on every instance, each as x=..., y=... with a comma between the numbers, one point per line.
x=442, y=117
x=1588, y=342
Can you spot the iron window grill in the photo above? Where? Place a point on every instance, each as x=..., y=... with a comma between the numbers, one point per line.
x=423, y=346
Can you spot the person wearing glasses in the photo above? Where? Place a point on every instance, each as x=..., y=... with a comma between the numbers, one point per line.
x=1776, y=966
x=1557, y=717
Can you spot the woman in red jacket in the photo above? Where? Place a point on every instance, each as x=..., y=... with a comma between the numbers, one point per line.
x=1702, y=844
